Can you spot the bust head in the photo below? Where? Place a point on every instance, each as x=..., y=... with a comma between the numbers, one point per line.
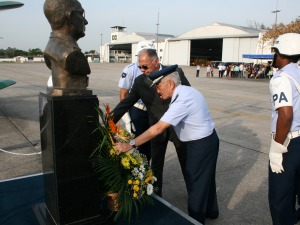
x=66, y=14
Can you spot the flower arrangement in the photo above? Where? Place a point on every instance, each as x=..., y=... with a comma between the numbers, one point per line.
x=127, y=174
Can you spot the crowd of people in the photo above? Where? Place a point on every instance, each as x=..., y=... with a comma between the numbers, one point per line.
x=251, y=71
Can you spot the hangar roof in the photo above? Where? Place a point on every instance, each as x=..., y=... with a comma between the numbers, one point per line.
x=220, y=30
x=140, y=36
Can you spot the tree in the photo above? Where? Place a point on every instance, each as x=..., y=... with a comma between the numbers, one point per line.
x=35, y=52
x=13, y=52
x=91, y=52
x=10, y=52
x=277, y=30
x=256, y=25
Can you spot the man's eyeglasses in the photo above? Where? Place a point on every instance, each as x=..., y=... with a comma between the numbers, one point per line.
x=145, y=67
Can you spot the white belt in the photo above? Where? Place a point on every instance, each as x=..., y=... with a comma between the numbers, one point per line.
x=140, y=106
x=293, y=134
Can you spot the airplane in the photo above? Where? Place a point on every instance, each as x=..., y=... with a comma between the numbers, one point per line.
x=4, y=5
x=10, y=5
x=6, y=83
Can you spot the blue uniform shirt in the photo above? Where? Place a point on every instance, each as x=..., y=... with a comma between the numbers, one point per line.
x=189, y=114
x=284, y=93
x=128, y=76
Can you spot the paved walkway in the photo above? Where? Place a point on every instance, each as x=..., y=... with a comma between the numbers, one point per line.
x=240, y=109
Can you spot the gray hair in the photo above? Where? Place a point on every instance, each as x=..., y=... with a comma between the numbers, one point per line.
x=174, y=77
x=151, y=53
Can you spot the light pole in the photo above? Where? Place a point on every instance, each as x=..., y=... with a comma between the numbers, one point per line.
x=157, y=32
x=276, y=11
x=100, y=47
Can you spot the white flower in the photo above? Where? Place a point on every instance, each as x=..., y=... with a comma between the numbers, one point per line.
x=141, y=176
x=142, y=168
x=135, y=171
x=149, y=189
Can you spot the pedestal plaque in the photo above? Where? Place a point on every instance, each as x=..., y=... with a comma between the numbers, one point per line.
x=67, y=141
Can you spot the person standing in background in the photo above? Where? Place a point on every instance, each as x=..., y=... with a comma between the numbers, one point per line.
x=197, y=70
x=208, y=71
x=220, y=67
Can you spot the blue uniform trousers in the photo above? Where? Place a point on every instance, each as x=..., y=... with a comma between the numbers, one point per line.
x=159, y=146
x=140, y=120
x=200, y=171
x=282, y=187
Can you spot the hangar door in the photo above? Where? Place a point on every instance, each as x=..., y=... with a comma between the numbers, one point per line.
x=206, y=50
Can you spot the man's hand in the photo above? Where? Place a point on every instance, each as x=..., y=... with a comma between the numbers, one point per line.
x=123, y=147
x=275, y=156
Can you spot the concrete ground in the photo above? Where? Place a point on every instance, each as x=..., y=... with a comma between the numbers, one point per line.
x=240, y=109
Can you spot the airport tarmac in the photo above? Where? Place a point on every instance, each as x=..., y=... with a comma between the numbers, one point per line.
x=240, y=108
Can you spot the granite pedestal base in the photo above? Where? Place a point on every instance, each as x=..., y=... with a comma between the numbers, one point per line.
x=67, y=141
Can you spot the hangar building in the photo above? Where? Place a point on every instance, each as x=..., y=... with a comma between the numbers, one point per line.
x=216, y=42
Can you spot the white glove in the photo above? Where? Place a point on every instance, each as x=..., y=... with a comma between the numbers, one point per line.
x=128, y=124
x=275, y=156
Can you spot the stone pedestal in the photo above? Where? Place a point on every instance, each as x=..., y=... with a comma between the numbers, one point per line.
x=67, y=141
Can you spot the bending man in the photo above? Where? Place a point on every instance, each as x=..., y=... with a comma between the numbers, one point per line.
x=189, y=115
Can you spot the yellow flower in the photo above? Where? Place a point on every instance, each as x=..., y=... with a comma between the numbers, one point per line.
x=149, y=177
x=137, y=182
x=135, y=195
x=131, y=158
x=139, y=159
x=147, y=180
x=136, y=188
x=129, y=181
x=149, y=173
x=125, y=162
x=113, y=151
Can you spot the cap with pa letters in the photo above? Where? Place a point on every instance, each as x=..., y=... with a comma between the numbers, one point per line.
x=158, y=75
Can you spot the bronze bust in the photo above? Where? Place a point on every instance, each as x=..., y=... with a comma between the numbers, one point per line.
x=62, y=55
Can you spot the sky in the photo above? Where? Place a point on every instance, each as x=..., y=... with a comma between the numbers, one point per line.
x=27, y=28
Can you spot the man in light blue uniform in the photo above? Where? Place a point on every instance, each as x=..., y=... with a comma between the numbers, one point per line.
x=136, y=120
x=284, y=152
x=189, y=115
